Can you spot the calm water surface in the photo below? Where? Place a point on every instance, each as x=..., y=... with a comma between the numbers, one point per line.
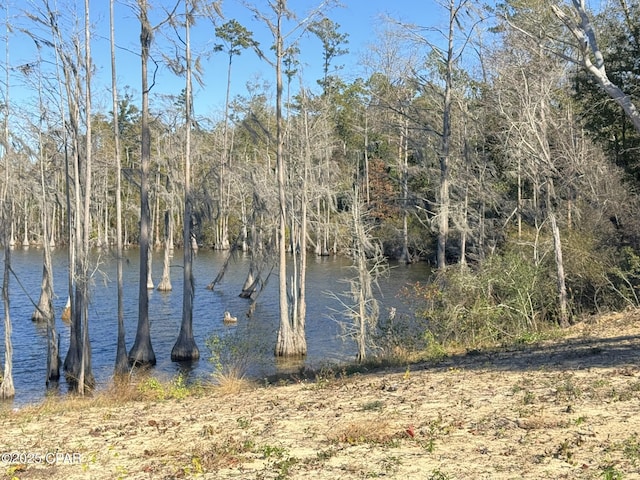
x=325, y=274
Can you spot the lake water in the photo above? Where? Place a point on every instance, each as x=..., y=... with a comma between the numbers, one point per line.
x=259, y=332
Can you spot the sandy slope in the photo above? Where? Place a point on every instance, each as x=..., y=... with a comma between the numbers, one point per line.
x=565, y=409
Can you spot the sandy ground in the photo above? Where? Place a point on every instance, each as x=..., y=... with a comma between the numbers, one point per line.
x=559, y=409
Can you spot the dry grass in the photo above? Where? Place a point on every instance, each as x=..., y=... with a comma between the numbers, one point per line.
x=375, y=431
x=557, y=409
x=230, y=383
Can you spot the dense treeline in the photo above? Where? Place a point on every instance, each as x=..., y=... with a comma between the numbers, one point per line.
x=488, y=146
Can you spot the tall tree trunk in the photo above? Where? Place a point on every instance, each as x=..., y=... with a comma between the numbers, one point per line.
x=290, y=341
x=86, y=375
x=7, y=389
x=405, y=257
x=185, y=348
x=141, y=354
x=445, y=147
x=122, y=362
x=77, y=363
x=284, y=346
x=44, y=310
x=366, y=310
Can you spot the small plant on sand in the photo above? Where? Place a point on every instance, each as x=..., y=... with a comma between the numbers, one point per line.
x=13, y=470
x=390, y=464
x=631, y=448
x=438, y=475
x=567, y=389
x=243, y=422
x=195, y=468
x=152, y=386
x=324, y=455
x=324, y=377
x=528, y=398
x=178, y=387
x=121, y=472
x=435, y=430
x=280, y=460
x=609, y=472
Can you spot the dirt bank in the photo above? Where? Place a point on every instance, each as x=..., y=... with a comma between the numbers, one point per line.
x=559, y=409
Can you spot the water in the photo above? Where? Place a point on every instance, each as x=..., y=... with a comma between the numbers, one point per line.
x=258, y=333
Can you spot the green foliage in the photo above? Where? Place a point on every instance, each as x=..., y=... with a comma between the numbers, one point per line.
x=507, y=297
x=437, y=474
x=600, y=275
x=625, y=277
x=631, y=448
x=433, y=349
x=609, y=472
x=511, y=297
x=232, y=354
x=279, y=460
x=175, y=389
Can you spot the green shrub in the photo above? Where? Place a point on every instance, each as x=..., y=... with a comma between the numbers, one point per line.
x=505, y=298
x=624, y=278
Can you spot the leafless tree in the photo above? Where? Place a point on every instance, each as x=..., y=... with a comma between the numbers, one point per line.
x=7, y=390
x=185, y=348
x=122, y=362
x=142, y=353
x=291, y=340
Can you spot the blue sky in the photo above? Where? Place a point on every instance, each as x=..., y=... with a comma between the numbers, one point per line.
x=360, y=19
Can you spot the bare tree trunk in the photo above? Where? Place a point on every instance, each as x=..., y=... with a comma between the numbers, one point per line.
x=185, y=348
x=291, y=340
x=284, y=344
x=444, y=199
x=156, y=213
x=562, y=289
x=165, y=283
x=86, y=376
x=25, y=238
x=77, y=362
x=366, y=157
x=404, y=155
x=7, y=390
x=44, y=311
x=366, y=311
x=122, y=363
x=141, y=354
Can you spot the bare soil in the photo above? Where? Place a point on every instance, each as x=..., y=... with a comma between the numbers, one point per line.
x=568, y=408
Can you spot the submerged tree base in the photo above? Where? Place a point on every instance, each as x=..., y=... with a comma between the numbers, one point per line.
x=142, y=356
x=185, y=351
x=74, y=384
x=7, y=389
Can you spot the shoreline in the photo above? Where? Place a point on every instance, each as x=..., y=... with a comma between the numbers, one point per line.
x=563, y=408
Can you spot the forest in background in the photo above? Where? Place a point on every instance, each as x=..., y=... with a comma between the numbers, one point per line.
x=501, y=146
